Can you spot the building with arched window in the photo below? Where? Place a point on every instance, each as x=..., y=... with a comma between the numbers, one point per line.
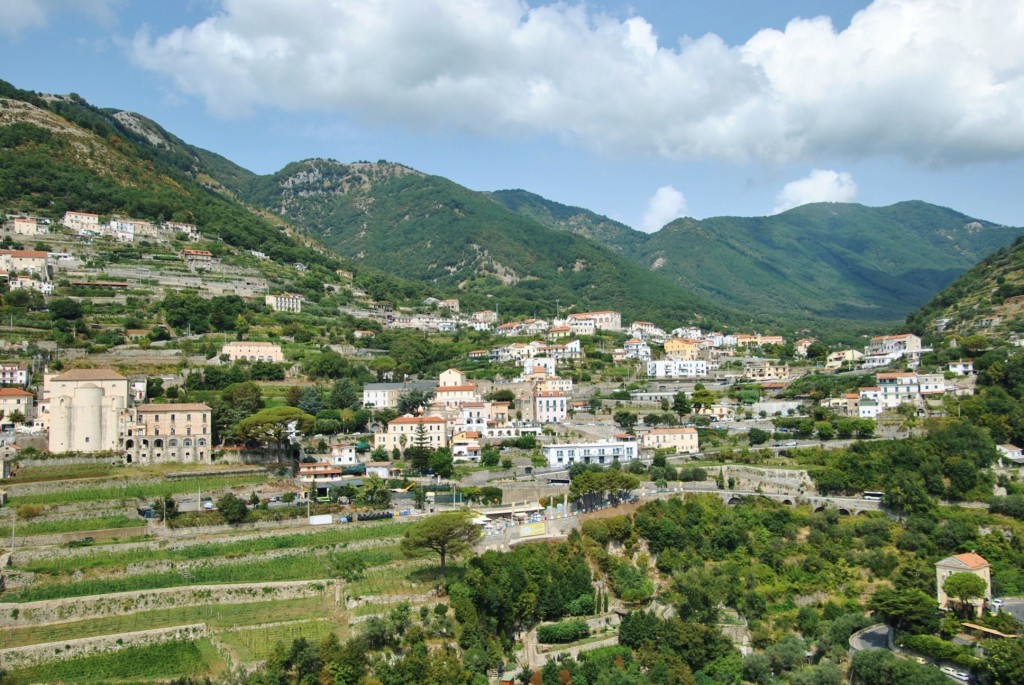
x=169, y=432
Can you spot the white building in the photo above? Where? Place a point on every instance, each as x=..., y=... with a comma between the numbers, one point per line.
x=677, y=368
x=82, y=221
x=637, y=349
x=29, y=283
x=386, y=395
x=603, y=321
x=885, y=349
x=13, y=374
x=86, y=410
x=285, y=302
x=550, y=407
x=602, y=452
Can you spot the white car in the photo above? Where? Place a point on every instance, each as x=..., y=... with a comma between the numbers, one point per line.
x=948, y=670
x=962, y=677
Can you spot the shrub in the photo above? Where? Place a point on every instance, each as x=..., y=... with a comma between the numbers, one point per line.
x=563, y=631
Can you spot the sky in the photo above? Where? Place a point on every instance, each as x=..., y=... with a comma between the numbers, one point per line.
x=643, y=111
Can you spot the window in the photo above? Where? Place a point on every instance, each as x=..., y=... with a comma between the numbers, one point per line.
x=172, y=443
x=187, y=442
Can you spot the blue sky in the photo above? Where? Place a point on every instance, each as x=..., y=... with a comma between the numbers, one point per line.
x=642, y=111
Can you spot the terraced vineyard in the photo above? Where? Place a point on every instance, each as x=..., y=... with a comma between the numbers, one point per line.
x=243, y=590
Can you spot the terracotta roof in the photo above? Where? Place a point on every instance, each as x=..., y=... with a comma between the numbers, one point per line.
x=90, y=375
x=26, y=254
x=417, y=419
x=673, y=431
x=172, y=407
x=455, y=388
x=14, y=392
x=970, y=560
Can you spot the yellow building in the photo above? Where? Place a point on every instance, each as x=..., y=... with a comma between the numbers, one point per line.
x=684, y=349
x=963, y=563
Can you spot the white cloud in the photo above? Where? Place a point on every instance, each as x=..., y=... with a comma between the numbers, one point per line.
x=17, y=16
x=667, y=204
x=821, y=185
x=938, y=82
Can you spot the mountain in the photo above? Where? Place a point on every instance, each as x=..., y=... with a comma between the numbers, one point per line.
x=825, y=260
x=986, y=298
x=428, y=228
x=60, y=153
x=583, y=222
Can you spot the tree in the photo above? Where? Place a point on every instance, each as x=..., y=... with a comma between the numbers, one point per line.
x=756, y=436
x=343, y=395
x=414, y=400
x=1004, y=661
x=375, y=493
x=908, y=609
x=232, y=508
x=442, y=463
x=312, y=401
x=16, y=416
x=490, y=456
x=448, y=535
x=965, y=587
x=681, y=404
x=274, y=425
x=65, y=309
x=702, y=397
x=384, y=367
x=419, y=452
x=625, y=419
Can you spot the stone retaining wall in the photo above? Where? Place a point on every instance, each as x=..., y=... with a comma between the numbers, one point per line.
x=33, y=655
x=18, y=615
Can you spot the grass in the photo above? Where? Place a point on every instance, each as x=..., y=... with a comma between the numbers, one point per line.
x=257, y=644
x=303, y=566
x=75, y=525
x=161, y=661
x=119, y=558
x=214, y=615
x=387, y=581
x=38, y=474
x=89, y=493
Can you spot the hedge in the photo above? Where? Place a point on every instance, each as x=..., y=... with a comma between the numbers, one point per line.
x=563, y=631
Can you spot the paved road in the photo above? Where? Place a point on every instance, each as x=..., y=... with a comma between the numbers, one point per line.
x=876, y=637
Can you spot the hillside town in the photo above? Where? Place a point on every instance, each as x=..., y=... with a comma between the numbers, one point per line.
x=358, y=424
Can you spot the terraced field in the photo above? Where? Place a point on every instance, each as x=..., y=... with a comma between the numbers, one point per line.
x=246, y=590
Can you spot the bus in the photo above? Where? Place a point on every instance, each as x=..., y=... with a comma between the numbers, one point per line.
x=873, y=495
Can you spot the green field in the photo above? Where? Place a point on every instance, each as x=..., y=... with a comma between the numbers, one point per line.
x=76, y=525
x=303, y=566
x=256, y=644
x=90, y=492
x=214, y=615
x=163, y=661
x=104, y=559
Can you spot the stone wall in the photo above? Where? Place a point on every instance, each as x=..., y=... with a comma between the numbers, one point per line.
x=33, y=655
x=83, y=608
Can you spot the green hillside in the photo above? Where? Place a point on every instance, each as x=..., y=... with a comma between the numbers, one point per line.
x=827, y=260
x=583, y=222
x=819, y=261
x=61, y=153
x=428, y=228
x=985, y=299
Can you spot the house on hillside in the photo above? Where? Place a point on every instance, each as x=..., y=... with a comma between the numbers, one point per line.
x=963, y=563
